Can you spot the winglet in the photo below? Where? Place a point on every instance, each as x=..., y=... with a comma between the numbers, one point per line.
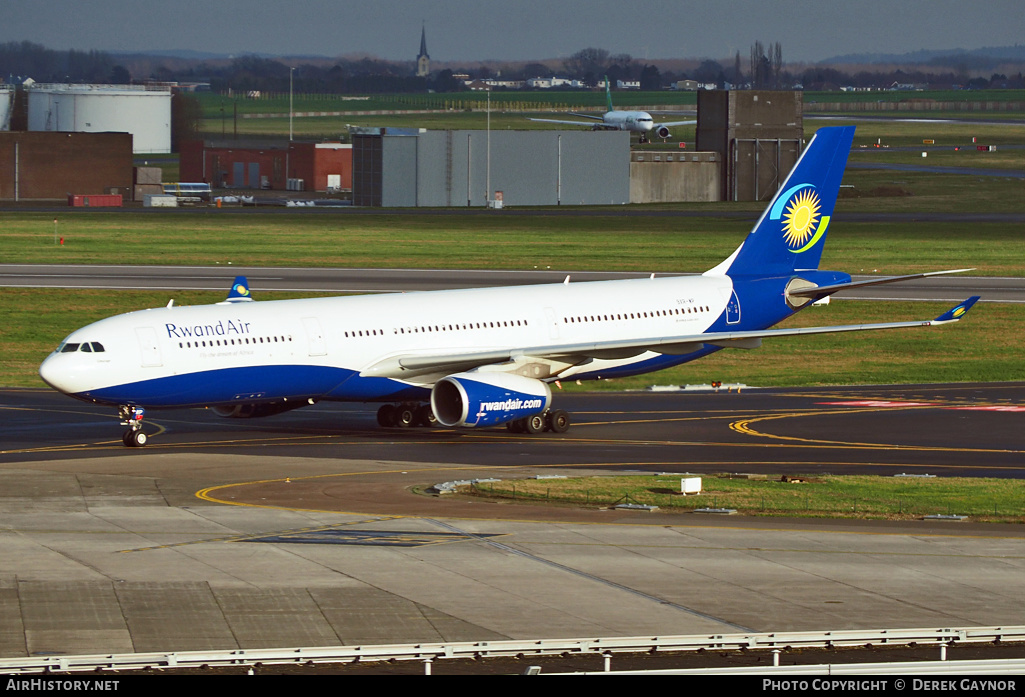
x=239, y=292
x=956, y=313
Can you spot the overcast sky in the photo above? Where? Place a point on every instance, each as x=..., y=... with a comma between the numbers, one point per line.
x=474, y=30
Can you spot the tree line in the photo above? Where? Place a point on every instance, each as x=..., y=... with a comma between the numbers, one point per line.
x=763, y=68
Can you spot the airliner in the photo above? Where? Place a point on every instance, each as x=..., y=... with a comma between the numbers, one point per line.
x=613, y=120
x=469, y=358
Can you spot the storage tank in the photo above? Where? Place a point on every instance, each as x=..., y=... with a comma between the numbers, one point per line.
x=6, y=101
x=143, y=111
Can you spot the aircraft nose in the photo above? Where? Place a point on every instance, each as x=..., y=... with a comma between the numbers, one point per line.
x=53, y=374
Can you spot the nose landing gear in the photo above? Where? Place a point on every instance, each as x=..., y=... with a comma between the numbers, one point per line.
x=131, y=416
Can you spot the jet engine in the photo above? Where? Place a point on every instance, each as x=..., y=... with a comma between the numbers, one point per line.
x=476, y=400
x=256, y=411
x=662, y=132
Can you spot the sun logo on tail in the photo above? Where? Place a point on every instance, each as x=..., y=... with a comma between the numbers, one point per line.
x=800, y=219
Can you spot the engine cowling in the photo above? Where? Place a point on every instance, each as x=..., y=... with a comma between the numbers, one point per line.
x=662, y=132
x=476, y=400
x=256, y=411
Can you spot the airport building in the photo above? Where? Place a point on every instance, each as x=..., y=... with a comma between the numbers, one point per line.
x=280, y=166
x=56, y=165
x=758, y=135
x=416, y=167
x=143, y=111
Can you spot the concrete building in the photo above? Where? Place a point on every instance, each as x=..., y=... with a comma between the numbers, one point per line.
x=757, y=133
x=667, y=176
x=280, y=166
x=415, y=167
x=143, y=111
x=54, y=165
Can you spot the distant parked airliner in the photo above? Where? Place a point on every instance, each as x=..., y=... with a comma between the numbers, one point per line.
x=613, y=120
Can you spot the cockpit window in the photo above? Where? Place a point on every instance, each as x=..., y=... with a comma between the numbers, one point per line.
x=87, y=347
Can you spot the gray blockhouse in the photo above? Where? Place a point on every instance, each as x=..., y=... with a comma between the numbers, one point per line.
x=757, y=133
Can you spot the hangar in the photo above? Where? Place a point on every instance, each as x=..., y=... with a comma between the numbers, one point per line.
x=416, y=167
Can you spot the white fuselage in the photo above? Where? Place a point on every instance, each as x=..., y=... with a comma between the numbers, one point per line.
x=345, y=347
x=634, y=121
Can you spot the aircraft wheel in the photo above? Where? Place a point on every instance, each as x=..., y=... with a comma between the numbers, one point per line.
x=126, y=438
x=558, y=421
x=515, y=426
x=534, y=424
x=386, y=416
x=138, y=439
x=425, y=416
x=405, y=416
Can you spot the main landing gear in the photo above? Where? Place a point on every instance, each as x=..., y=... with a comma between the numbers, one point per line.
x=555, y=420
x=406, y=415
x=131, y=417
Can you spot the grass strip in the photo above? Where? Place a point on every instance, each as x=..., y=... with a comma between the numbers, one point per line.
x=819, y=496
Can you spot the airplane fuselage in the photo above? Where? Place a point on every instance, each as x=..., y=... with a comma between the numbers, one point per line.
x=633, y=121
x=335, y=348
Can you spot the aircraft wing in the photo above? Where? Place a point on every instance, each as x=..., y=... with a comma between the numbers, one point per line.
x=675, y=123
x=410, y=366
x=575, y=123
x=814, y=291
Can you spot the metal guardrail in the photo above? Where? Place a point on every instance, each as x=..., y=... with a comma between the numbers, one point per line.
x=792, y=674
x=524, y=649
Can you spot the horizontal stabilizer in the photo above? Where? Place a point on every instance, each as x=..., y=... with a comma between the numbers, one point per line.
x=816, y=291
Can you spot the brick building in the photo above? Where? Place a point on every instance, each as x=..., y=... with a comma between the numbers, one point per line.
x=278, y=166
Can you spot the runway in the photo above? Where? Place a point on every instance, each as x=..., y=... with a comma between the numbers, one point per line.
x=303, y=529
x=340, y=280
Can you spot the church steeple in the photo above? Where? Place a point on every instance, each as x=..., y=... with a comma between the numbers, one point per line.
x=423, y=61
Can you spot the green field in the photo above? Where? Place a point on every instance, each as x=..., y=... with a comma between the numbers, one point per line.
x=225, y=116
x=827, y=496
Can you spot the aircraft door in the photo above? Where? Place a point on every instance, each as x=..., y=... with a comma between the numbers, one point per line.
x=148, y=346
x=553, y=323
x=315, y=337
x=733, y=309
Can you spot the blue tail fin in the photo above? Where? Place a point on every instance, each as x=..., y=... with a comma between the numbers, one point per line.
x=791, y=233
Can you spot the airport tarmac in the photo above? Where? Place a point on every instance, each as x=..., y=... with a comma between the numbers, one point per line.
x=303, y=529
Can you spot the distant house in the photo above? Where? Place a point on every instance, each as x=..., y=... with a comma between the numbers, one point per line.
x=545, y=83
